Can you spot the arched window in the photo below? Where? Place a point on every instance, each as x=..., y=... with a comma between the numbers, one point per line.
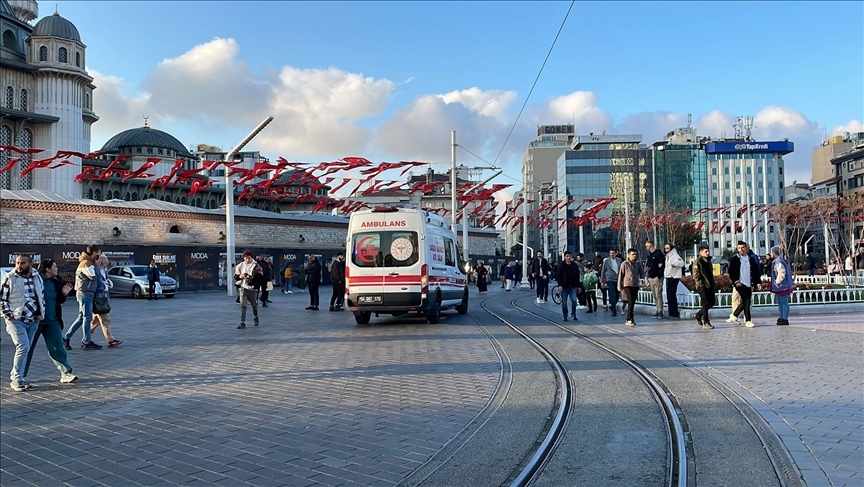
x=174, y=229
x=10, y=97
x=116, y=195
x=87, y=100
x=9, y=40
x=135, y=196
x=22, y=100
x=43, y=53
x=183, y=201
x=198, y=202
x=128, y=197
x=78, y=59
x=62, y=55
x=26, y=142
x=149, y=150
x=97, y=195
x=90, y=194
x=5, y=139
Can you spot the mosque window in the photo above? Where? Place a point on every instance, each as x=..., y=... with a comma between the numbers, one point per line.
x=149, y=150
x=138, y=150
x=22, y=101
x=87, y=100
x=5, y=139
x=62, y=55
x=9, y=39
x=97, y=195
x=78, y=59
x=43, y=53
x=10, y=97
x=160, y=152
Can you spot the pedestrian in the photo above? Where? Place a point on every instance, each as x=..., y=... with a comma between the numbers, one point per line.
x=23, y=303
x=482, y=274
x=301, y=278
x=631, y=273
x=833, y=269
x=103, y=288
x=509, y=272
x=313, y=278
x=502, y=274
x=337, y=278
x=249, y=277
x=287, y=276
x=568, y=278
x=744, y=273
x=597, y=263
x=655, y=268
x=609, y=278
x=672, y=272
x=85, y=287
x=152, y=280
x=267, y=271
x=782, y=283
x=540, y=266
x=703, y=276
x=55, y=291
x=766, y=266
x=580, y=290
x=517, y=274
x=589, y=283
x=859, y=259
x=532, y=276
x=811, y=264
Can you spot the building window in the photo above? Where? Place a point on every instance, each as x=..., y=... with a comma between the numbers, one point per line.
x=149, y=150
x=43, y=53
x=714, y=200
x=738, y=185
x=62, y=55
x=87, y=100
x=22, y=100
x=713, y=171
x=726, y=185
x=714, y=186
x=738, y=170
x=26, y=141
x=5, y=139
x=780, y=170
x=10, y=97
x=97, y=195
x=78, y=59
x=759, y=170
x=726, y=170
x=9, y=39
x=174, y=228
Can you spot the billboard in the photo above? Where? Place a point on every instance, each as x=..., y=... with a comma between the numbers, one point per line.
x=782, y=147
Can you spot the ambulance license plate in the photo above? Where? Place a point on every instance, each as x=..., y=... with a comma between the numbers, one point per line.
x=376, y=299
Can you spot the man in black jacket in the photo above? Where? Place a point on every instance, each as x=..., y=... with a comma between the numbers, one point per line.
x=313, y=280
x=745, y=275
x=654, y=267
x=703, y=277
x=540, y=273
x=568, y=280
x=267, y=270
x=337, y=277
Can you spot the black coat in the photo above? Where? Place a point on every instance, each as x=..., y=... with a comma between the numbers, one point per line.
x=568, y=275
x=540, y=267
x=337, y=272
x=266, y=269
x=313, y=271
x=655, y=263
x=735, y=270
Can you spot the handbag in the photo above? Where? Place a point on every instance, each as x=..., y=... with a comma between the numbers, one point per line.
x=269, y=285
x=158, y=288
x=101, y=306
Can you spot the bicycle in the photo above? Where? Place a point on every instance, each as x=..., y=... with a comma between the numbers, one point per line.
x=556, y=294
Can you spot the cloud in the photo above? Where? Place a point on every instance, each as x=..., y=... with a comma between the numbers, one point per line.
x=115, y=107
x=492, y=103
x=852, y=127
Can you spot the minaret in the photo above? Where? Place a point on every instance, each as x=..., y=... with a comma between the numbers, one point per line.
x=26, y=10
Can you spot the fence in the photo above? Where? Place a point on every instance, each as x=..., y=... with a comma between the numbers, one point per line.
x=767, y=299
x=825, y=280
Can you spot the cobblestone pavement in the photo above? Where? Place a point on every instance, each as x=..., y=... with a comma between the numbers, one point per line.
x=307, y=398
x=806, y=380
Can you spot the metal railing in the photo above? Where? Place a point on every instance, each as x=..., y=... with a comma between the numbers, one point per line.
x=767, y=299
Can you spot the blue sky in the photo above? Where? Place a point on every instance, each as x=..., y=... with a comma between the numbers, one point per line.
x=373, y=78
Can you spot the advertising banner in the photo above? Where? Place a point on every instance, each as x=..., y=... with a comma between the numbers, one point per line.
x=200, y=270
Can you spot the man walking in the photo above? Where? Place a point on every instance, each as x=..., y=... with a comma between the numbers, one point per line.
x=673, y=270
x=703, y=276
x=22, y=300
x=540, y=268
x=568, y=279
x=580, y=288
x=267, y=272
x=744, y=273
x=655, y=270
x=609, y=278
x=337, y=277
x=249, y=278
x=313, y=279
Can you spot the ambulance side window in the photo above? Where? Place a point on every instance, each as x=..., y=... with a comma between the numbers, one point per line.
x=448, y=252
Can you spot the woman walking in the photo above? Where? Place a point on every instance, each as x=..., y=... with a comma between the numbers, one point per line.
x=51, y=326
x=782, y=284
x=482, y=274
x=103, y=286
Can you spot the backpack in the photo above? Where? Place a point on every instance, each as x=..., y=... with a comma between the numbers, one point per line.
x=287, y=273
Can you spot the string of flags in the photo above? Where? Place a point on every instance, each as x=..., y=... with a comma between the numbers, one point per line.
x=302, y=181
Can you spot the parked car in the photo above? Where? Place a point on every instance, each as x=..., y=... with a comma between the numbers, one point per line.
x=131, y=280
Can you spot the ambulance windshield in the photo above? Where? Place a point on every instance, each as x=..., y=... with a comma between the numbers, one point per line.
x=385, y=249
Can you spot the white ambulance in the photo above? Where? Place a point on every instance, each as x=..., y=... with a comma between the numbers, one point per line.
x=402, y=260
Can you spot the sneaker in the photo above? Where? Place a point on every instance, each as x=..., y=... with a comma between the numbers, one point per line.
x=538, y=300
x=241, y=326
x=264, y=305
x=630, y=323
x=91, y=346
x=332, y=308
x=573, y=317
x=698, y=319
x=310, y=307
x=18, y=386
x=589, y=311
x=658, y=316
x=315, y=308
x=289, y=292
x=582, y=307
x=614, y=313
x=732, y=319
x=565, y=318
x=68, y=378
x=707, y=326
x=66, y=344
x=783, y=322
x=749, y=324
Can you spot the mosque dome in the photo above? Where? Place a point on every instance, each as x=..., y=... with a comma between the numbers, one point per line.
x=146, y=137
x=56, y=26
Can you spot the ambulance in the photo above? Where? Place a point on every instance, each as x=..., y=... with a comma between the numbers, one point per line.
x=400, y=261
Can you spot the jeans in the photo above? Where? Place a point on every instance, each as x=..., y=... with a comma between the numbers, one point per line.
x=656, y=284
x=632, y=292
x=53, y=334
x=286, y=284
x=250, y=297
x=339, y=294
x=543, y=288
x=613, y=294
x=672, y=296
x=568, y=293
x=85, y=316
x=22, y=336
x=783, y=306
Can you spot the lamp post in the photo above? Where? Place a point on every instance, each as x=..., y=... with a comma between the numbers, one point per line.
x=525, y=284
x=229, y=198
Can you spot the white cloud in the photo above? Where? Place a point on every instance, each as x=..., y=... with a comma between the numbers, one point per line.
x=852, y=126
x=493, y=103
x=115, y=108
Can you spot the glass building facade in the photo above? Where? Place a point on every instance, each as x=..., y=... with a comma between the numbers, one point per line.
x=602, y=167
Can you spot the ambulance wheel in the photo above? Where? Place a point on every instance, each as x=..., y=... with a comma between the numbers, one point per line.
x=433, y=316
x=463, y=307
x=363, y=318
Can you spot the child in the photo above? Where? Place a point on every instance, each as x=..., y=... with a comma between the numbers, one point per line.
x=589, y=281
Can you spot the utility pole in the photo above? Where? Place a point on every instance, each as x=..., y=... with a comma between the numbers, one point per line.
x=453, y=181
x=525, y=284
x=229, y=200
x=626, y=216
